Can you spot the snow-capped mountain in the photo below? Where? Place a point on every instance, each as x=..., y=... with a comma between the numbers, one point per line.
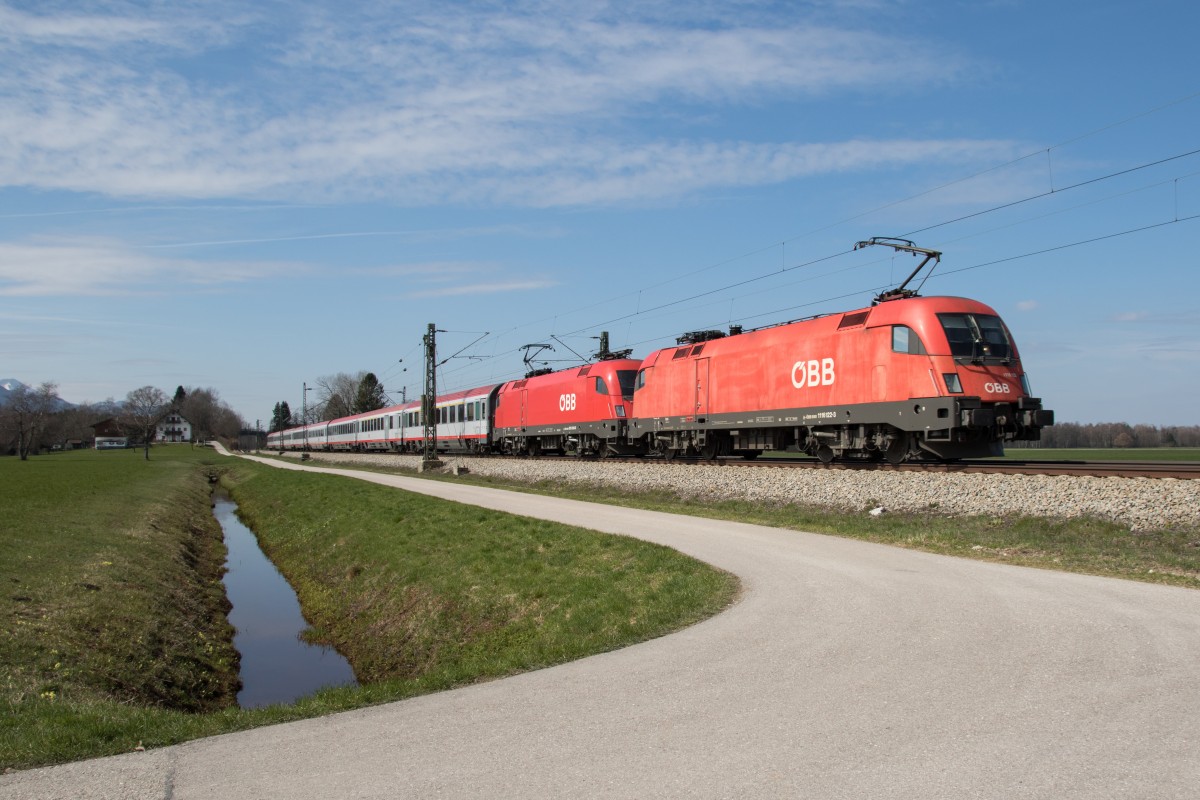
x=10, y=385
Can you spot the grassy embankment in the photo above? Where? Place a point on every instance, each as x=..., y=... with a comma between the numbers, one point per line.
x=114, y=631
x=1089, y=546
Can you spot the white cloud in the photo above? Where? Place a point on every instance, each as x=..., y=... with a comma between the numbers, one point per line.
x=485, y=288
x=100, y=267
x=538, y=103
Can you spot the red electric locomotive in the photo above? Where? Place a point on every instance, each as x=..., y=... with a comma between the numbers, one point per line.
x=908, y=378
x=582, y=410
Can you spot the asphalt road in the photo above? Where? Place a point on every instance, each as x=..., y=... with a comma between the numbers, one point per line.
x=846, y=670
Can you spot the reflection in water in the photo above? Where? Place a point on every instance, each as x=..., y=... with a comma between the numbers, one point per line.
x=277, y=667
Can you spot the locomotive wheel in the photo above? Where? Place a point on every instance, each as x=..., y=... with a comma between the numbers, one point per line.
x=825, y=454
x=897, y=452
x=669, y=454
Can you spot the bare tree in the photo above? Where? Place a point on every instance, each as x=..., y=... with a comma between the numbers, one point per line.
x=28, y=412
x=143, y=409
x=336, y=395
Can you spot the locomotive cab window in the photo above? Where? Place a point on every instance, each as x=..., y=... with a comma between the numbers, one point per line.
x=626, y=378
x=601, y=388
x=641, y=379
x=976, y=336
x=905, y=340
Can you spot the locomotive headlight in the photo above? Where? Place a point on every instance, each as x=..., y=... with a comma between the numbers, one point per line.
x=953, y=384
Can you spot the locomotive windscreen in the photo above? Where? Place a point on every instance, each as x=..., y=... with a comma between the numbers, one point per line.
x=976, y=336
x=626, y=377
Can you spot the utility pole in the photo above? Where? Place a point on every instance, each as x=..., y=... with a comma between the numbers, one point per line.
x=304, y=419
x=429, y=400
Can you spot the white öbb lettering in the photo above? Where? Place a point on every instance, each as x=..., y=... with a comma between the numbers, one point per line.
x=566, y=402
x=996, y=388
x=813, y=373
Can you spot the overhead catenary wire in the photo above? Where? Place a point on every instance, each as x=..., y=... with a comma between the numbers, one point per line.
x=644, y=313
x=1041, y=195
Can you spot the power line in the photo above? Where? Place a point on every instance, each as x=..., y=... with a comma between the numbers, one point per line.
x=774, y=273
x=642, y=312
x=1041, y=195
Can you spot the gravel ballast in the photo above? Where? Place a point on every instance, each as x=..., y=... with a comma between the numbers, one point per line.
x=1142, y=504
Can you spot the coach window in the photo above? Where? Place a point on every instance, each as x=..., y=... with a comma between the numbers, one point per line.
x=905, y=340
x=600, y=387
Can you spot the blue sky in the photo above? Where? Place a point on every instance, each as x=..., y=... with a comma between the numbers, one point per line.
x=252, y=196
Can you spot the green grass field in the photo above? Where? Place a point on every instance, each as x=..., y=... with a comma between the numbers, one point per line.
x=114, y=629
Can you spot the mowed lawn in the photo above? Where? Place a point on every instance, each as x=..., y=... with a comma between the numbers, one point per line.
x=115, y=634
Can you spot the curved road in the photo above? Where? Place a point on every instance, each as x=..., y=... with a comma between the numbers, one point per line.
x=847, y=670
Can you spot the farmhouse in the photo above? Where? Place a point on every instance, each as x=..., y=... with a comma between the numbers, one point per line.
x=109, y=435
x=173, y=428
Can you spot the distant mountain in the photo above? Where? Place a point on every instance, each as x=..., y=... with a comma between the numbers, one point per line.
x=7, y=387
x=10, y=385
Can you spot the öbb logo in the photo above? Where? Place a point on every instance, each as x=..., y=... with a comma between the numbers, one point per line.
x=813, y=373
x=566, y=402
x=996, y=388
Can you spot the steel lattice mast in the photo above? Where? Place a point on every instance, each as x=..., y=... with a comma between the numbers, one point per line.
x=429, y=398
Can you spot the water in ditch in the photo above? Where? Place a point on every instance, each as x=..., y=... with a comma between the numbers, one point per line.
x=277, y=666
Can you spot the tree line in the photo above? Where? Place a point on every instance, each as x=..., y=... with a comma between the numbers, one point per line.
x=339, y=395
x=1114, y=434
x=34, y=419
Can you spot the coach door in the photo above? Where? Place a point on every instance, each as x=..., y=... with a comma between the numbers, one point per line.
x=701, y=388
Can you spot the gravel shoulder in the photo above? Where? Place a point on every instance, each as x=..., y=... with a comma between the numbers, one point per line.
x=1141, y=504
